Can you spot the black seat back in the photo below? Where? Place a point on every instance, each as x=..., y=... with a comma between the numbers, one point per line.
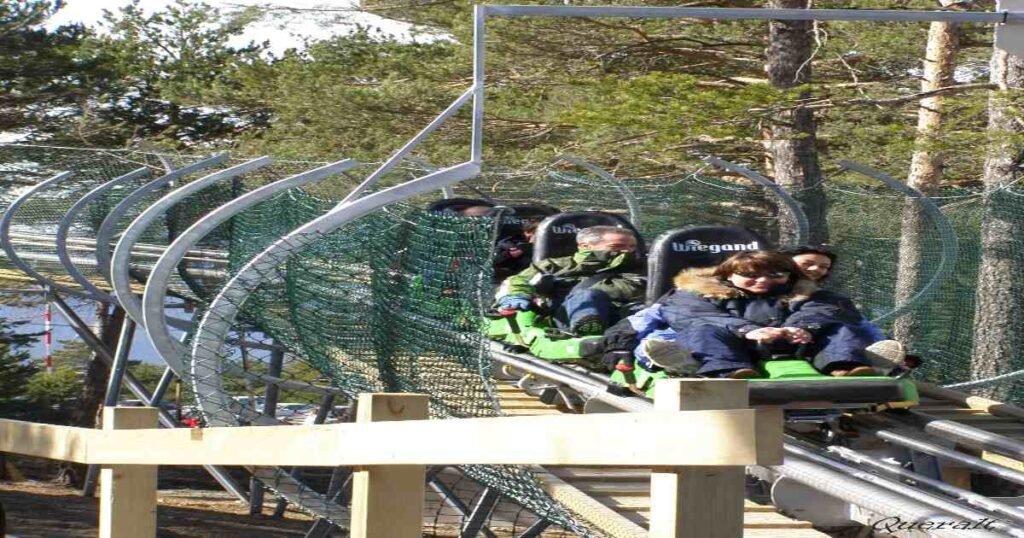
x=556, y=235
x=694, y=246
x=456, y=205
x=514, y=217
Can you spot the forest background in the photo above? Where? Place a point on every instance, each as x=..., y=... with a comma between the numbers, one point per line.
x=644, y=99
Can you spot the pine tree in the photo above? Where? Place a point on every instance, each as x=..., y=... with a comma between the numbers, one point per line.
x=16, y=369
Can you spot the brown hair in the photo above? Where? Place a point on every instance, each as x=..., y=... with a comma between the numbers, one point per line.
x=757, y=261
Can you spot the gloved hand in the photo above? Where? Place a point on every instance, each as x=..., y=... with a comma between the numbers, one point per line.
x=514, y=302
x=618, y=360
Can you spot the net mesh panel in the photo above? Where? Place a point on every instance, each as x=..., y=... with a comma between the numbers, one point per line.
x=393, y=300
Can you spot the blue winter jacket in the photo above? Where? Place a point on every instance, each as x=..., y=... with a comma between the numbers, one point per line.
x=700, y=298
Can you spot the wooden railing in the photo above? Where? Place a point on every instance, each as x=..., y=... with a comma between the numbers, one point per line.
x=697, y=441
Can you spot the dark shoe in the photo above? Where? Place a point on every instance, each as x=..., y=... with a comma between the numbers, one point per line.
x=743, y=373
x=670, y=357
x=588, y=326
x=859, y=371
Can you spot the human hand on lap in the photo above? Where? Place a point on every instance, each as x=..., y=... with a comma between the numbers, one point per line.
x=766, y=334
x=796, y=335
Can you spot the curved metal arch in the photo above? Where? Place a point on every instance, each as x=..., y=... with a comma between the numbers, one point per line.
x=631, y=202
x=65, y=226
x=8, y=247
x=803, y=226
x=170, y=349
x=950, y=244
x=105, y=233
x=119, y=263
x=207, y=363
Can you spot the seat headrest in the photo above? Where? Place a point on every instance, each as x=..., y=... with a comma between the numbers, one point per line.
x=694, y=246
x=514, y=217
x=556, y=235
x=456, y=205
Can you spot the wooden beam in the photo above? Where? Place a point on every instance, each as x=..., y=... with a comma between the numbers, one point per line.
x=724, y=437
x=387, y=501
x=44, y=440
x=128, y=492
x=727, y=437
x=703, y=502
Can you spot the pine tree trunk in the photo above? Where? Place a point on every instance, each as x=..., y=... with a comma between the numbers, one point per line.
x=94, y=387
x=998, y=339
x=792, y=139
x=925, y=172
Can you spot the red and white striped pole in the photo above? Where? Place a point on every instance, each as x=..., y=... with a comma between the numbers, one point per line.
x=48, y=336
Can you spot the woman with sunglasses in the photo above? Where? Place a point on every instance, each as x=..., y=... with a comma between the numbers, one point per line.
x=722, y=315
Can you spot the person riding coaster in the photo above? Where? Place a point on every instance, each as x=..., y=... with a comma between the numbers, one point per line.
x=785, y=376
x=584, y=292
x=815, y=263
x=720, y=315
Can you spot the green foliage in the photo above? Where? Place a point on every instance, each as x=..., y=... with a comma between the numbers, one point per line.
x=39, y=69
x=166, y=63
x=147, y=373
x=15, y=370
x=54, y=395
x=640, y=96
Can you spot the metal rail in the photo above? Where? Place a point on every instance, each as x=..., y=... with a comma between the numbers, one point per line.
x=119, y=263
x=170, y=349
x=723, y=14
x=880, y=496
x=631, y=202
x=803, y=227
x=105, y=233
x=969, y=497
x=61, y=239
x=8, y=247
x=207, y=359
x=950, y=245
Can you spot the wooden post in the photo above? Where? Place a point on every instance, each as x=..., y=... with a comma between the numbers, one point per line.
x=698, y=502
x=387, y=501
x=128, y=492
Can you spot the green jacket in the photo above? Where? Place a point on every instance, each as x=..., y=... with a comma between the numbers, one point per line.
x=622, y=287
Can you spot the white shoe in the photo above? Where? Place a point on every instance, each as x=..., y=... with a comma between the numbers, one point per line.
x=886, y=355
x=670, y=356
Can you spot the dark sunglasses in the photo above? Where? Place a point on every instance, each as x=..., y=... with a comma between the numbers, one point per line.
x=765, y=275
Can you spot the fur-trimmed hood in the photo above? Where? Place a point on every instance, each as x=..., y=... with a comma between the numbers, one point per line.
x=701, y=281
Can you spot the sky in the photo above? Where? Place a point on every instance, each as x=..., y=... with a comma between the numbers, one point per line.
x=283, y=29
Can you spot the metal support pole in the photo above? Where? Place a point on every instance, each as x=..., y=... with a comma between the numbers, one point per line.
x=270, y=395
x=320, y=529
x=120, y=366
x=256, y=495
x=321, y=416
x=136, y=387
x=449, y=498
x=482, y=510
x=272, y=391
x=161, y=387
x=477, y=143
x=324, y=410
x=126, y=333
x=535, y=529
